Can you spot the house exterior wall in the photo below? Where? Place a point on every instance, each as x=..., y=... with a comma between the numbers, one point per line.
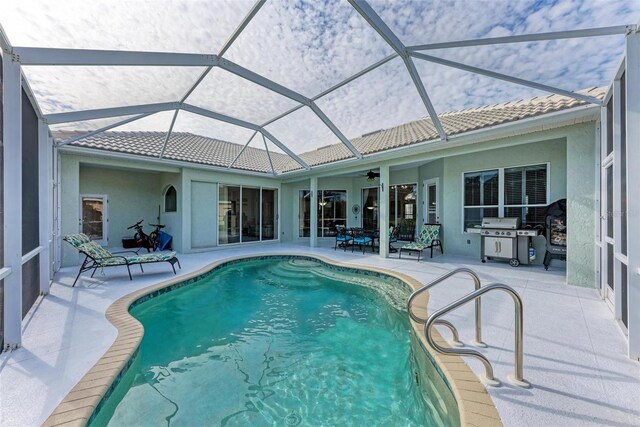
x=461, y=243
x=69, y=205
x=582, y=206
x=572, y=175
x=132, y=196
x=172, y=220
x=195, y=208
x=569, y=151
x=134, y=190
x=431, y=170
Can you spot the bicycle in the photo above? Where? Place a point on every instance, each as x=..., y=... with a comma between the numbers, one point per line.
x=154, y=236
x=147, y=241
x=142, y=239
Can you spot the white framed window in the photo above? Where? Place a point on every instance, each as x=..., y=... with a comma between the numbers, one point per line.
x=170, y=199
x=481, y=192
x=518, y=191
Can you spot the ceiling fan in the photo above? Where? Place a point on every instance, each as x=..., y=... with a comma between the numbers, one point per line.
x=371, y=175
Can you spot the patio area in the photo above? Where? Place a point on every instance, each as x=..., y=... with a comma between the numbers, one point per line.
x=574, y=354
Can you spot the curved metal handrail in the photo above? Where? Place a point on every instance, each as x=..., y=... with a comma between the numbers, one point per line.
x=476, y=281
x=455, y=339
x=517, y=377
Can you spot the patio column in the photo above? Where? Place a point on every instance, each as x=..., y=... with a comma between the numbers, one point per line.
x=633, y=181
x=313, y=205
x=45, y=181
x=12, y=199
x=383, y=203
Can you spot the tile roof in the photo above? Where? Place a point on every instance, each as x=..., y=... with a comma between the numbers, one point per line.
x=181, y=146
x=203, y=150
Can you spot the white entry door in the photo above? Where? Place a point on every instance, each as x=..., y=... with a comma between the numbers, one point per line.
x=432, y=201
x=94, y=217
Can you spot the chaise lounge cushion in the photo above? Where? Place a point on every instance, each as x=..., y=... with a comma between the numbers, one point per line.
x=429, y=237
x=154, y=257
x=100, y=255
x=428, y=233
x=76, y=240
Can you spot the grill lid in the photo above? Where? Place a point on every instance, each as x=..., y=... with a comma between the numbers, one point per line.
x=501, y=223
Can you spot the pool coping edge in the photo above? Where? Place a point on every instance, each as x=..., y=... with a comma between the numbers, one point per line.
x=475, y=404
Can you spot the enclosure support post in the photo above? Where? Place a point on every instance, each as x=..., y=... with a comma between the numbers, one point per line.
x=633, y=179
x=383, y=201
x=12, y=199
x=45, y=182
x=313, y=206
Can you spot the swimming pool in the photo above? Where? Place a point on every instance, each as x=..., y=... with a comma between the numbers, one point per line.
x=279, y=341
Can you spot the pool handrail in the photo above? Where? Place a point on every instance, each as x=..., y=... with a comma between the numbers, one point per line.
x=517, y=377
x=478, y=309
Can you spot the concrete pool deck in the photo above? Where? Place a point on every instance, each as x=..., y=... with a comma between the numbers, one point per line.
x=575, y=355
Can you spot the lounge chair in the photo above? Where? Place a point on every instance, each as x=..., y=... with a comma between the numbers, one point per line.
x=98, y=257
x=343, y=238
x=429, y=237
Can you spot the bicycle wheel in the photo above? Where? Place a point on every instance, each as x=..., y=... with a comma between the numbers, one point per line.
x=153, y=240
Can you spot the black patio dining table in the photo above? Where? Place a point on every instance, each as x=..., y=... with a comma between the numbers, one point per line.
x=371, y=233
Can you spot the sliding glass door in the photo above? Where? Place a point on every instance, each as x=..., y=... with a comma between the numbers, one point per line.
x=228, y=214
x=304, y=214
x=250, y=214
x=247, y=214
x=269, y=214
x=332, y=211
x=370, y=208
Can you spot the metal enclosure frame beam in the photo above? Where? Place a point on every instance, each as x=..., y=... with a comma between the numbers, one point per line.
x=632, y=85
x=555, y=35
x=511, y=79
x=247, y=125
x=335, y=87
x=266, y=83
x=254, y=10
x=374, y=20
x=244, y=147
x=103, y=129
x=45, y=205
x=105, y=113
x=12, y=200
x=273, y=170
x=93, y=57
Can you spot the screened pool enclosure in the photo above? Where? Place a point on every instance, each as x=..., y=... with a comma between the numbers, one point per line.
x=307, y=97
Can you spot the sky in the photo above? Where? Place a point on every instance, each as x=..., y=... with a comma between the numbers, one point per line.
x=309, y=46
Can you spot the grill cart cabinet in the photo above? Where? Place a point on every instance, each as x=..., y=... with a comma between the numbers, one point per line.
x=502, y=238
x=499, y=247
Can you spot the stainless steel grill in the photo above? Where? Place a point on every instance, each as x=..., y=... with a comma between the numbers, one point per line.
x=502, y=238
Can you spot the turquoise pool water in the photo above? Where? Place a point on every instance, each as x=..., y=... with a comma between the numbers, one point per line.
x=281, y=342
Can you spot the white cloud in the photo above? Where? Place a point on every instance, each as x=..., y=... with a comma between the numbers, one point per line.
x=310, y=46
